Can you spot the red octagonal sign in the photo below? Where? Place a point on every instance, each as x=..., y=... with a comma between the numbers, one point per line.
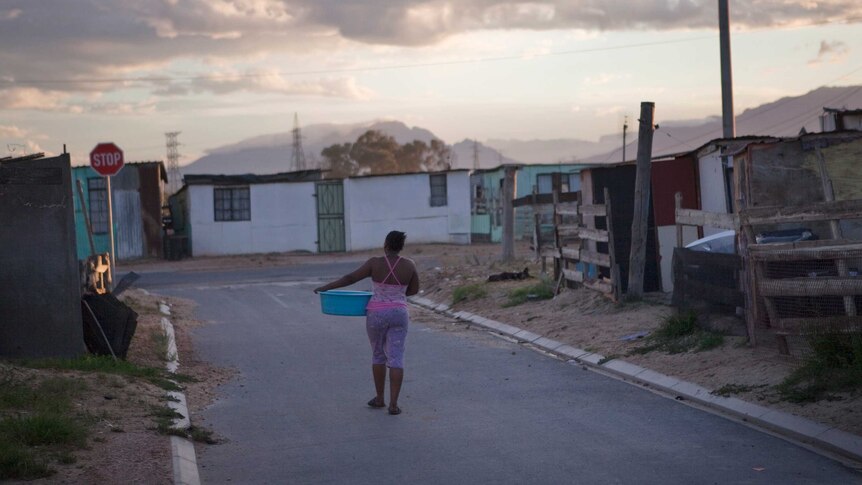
x=107, y=159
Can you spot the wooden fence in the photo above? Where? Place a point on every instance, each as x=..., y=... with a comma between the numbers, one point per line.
x=806, y=286
x=574, y=244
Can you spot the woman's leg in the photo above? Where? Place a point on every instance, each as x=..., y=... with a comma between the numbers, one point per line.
x=396, y=377
x=394, y=348
x=379, y=372
x=376, y=329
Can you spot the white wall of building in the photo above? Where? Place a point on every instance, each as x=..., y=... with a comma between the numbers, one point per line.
x=283, y=218
x=376, y=205
x=713, y=194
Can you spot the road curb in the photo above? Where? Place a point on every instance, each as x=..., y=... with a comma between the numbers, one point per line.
x=183, y=456
x=800, y=429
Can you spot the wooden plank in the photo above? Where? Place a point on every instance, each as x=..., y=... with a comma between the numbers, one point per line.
x=601, y=286
x=612, y=252
x=595, y=258
x=570, y=253
x=805, y=325
x=837, y=286
x=550, y=253
x=762, y=252
x=821, y=211
x=693, y=217
x=567, y=212
x=572, y=275
x=598, y=235
x=599, y=210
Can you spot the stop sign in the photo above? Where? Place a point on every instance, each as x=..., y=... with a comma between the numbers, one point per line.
x=107, y=159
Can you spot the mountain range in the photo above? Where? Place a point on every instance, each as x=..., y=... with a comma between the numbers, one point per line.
x=273, y=153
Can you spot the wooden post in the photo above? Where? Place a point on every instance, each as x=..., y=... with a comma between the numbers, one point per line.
x=677, y=199
x=86, y=218
x=558, y=266
x=835, y=226
x=640, y=220
x=615, y=268
x=537, y=229
x=508, y=193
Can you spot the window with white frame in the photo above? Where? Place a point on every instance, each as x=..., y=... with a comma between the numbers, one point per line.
x=97, y=202
x=438, y=190
x=232, y=204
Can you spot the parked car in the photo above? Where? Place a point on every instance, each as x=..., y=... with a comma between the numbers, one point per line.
x=725, y=241
x=722, y=242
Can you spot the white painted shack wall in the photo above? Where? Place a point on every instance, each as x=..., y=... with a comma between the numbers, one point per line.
x=376, y=205
x=283, y=218
x=713, y=196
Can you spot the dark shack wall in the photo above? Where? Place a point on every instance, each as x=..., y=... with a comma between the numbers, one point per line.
x=150, y=176
x=620, y=182
x=40, y=299
x=669, y=177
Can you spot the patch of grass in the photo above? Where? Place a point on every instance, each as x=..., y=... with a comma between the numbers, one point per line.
x=709, y=341
x=21, y=463
x=39, y=421
x=834, y=365
x=543, y=290
x=202, y=435
x=160, y=344
x=105, y=364
x=608, y=358
x=679, y=334
x=43, y=429
x=469, y=292
x=164, y=417
x=731, y=389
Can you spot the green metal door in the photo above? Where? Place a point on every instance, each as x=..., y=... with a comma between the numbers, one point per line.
x=330, y=216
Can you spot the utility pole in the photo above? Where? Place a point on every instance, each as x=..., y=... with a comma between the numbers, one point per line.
x=507, y=195
x=727, y=119
x=174, y=176
x=640, y=219
x=298, y=153
x=625, y=128
x=475, y=155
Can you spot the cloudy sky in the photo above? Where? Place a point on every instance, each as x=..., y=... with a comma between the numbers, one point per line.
x=83, y=71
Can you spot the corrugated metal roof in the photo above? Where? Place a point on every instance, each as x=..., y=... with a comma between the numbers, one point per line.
x=250, y=178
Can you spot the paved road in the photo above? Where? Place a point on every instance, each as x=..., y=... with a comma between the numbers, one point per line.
x=477, y=409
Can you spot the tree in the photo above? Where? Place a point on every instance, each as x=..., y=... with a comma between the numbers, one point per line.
x=375, y=153
x=338, y=159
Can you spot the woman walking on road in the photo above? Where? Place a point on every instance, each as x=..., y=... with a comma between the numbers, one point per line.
x=394, y=279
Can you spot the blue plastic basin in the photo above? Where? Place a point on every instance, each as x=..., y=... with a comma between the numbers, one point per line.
x=344, y=302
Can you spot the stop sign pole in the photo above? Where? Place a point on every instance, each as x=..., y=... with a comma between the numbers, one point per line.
x=107, y=160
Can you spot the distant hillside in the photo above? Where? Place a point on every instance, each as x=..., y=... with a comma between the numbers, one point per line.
x=273, y=153
x=784, y=117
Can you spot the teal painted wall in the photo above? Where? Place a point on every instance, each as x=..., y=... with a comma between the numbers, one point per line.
x=101, y=241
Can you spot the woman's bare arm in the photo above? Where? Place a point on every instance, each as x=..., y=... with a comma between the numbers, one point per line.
x=413, y=285
x=359, y=274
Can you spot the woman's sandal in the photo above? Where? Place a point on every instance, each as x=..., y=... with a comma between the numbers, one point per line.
x=376, y=404
x=393, y=410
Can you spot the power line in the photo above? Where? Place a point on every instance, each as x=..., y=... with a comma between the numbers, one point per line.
x=216, y=77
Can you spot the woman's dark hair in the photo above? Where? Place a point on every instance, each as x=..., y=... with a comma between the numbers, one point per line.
x=395, y=240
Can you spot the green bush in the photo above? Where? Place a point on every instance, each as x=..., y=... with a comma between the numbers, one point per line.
x=680, y=333
x=834, y=365
x=469, y=292
x=543, y=290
